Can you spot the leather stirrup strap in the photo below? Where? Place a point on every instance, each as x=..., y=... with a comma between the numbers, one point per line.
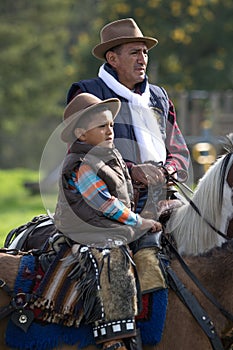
x=197, y=311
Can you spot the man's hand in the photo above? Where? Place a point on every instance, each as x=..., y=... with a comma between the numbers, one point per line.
x=147, y=174
x=150, y=225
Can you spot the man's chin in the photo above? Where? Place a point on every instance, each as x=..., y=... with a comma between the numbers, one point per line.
x=141, y=78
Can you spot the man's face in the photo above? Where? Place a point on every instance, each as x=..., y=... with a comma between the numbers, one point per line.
x=100, y=130
x=130, y=62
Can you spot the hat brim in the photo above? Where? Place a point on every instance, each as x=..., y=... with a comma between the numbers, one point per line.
x=100, y=50
x=67, y=134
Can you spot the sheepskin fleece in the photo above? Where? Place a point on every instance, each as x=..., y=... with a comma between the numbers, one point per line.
x=148, y=269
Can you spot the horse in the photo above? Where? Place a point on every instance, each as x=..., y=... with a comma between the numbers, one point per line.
x=193, y=228
x=212, y=268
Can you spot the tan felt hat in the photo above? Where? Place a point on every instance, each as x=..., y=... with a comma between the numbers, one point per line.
x=79, y=106
x=120, y=32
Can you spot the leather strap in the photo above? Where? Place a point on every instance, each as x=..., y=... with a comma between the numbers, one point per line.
x=195, y=308
x=8, y=309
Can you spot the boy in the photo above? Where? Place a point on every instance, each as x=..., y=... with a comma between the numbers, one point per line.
x=95, y=209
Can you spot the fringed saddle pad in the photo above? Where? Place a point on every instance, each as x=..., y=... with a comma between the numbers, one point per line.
x=63, y=296
x=45, y=336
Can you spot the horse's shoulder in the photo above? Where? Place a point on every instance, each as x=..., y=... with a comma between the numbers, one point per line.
x=9, y=266
x=12, y=259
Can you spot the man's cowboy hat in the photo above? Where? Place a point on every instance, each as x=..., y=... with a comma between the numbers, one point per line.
x=120, y=32
x=79, y=106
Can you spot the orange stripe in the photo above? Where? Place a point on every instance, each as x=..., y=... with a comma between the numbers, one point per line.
x=93, y=188
x=124, y=216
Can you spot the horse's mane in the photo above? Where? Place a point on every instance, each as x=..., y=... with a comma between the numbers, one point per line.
x=192, y=234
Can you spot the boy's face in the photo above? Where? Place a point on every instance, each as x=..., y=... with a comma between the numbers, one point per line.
x=99, y=130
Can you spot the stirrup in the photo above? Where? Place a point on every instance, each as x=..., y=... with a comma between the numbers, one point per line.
x=114, y=345
x=134, y=343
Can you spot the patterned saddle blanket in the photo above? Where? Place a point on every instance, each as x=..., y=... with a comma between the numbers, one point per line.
x=58, y=303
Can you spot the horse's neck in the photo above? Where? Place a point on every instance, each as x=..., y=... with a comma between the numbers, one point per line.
x=192, y=234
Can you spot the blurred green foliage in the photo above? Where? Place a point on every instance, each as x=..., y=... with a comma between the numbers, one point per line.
x=17, y=205
x=46, y=45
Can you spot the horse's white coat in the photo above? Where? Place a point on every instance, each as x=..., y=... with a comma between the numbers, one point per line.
x=192, y=234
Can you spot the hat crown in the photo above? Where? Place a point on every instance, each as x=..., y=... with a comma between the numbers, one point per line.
x=121, y=28
x=80, y=103
x=120, y=32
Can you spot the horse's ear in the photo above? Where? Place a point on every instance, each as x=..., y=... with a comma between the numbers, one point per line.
x=227, y=143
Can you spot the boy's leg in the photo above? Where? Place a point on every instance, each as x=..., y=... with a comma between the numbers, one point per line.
x=118, y=295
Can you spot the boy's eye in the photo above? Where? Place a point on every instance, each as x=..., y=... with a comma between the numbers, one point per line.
x=104, y=125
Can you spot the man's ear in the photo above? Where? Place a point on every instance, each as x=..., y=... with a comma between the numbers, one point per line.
x=80, y=134
x=111, y=58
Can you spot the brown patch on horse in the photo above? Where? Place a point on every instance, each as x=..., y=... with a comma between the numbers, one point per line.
x=230, y=177
x=230, y=183
x=9, y=268
x=214, y=270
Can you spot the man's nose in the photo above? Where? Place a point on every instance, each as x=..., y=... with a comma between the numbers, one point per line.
x=142, y=58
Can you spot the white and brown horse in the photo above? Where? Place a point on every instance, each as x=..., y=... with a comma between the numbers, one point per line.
x=213, y=269
x=213, y=198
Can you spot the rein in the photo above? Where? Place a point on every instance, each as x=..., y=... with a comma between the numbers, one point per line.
x=6, y=310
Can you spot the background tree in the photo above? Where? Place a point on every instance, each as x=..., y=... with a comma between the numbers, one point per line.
x=195, y=40
x=46, y=45
x=33, y=38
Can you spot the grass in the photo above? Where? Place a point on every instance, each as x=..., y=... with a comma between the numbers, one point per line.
x=17, y=204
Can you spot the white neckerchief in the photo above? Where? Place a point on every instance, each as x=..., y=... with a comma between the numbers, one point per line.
x=145, y=124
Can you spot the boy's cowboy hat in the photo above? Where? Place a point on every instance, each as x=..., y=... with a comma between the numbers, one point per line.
x=120, y=32
x=79, y=106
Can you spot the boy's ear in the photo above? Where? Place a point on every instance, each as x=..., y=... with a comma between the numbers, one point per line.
x=80, y=134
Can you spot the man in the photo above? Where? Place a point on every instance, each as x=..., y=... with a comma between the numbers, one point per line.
x=123, y=75
x=146, y=134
